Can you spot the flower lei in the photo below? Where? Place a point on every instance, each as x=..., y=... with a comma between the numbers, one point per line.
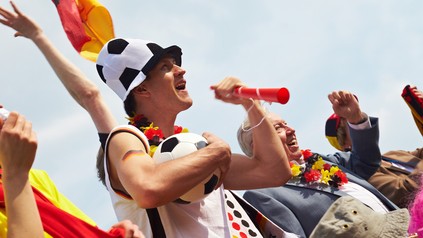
x=316, y=170
x=153, y=133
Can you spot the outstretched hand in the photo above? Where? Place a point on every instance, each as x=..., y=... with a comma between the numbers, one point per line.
x=346, y=105
x=22, y=24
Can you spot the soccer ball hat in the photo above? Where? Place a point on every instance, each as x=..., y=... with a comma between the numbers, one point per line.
x=124, y=64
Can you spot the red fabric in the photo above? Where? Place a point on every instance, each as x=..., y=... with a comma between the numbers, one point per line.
x=59, y=223
x=72, y=24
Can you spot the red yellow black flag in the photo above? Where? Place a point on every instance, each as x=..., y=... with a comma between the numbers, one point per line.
x=88, y=25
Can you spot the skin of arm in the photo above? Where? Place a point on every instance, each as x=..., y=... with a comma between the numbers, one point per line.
x=76, y=83
x=269, y=165
x=18, y=145
x=152, y=184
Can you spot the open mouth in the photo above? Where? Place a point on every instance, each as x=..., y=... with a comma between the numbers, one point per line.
x=292, y=142
x=181, y=85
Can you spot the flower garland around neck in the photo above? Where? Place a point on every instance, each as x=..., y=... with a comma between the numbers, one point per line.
x=316, y=170
x=153, y=133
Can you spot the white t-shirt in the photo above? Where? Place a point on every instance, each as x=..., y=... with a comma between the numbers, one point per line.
x=204, y=218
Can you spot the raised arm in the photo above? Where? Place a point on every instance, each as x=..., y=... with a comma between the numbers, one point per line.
x=18, y=145
x=80, y=88
x=363, y=130
x=269, y=164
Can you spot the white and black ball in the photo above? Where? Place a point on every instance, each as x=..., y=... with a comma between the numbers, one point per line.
x=180, y=145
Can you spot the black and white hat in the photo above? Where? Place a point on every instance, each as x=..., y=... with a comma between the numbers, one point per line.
x=124, y=63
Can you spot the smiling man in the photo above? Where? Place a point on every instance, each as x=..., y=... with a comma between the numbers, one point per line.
x=318, y=180
x=150, y=81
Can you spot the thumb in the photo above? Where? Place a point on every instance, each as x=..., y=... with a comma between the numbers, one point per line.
x=17, y=34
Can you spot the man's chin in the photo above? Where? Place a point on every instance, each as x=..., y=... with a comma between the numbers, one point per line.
x=297, y=157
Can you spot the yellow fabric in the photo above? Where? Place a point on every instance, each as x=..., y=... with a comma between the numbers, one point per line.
x=98, y=25
x=334, y=142
x=40, y=180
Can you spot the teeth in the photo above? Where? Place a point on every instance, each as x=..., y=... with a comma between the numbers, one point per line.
x=293, y=142
x=180, y=86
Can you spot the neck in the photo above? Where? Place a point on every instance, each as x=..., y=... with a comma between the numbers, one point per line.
x=165, y=124
x=164, y=120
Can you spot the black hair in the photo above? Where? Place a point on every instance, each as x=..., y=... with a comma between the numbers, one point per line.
x=129, y=104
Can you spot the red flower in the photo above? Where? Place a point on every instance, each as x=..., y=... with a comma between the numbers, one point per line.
x=327, y=166
x=306, y=154
x=342, y=176
x=151, y=133
x=177, y=129
x=312, y=175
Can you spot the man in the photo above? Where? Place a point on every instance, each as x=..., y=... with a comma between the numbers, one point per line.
x=150, y=81
x=299, y=205
x=82, y=90
x=398, y=177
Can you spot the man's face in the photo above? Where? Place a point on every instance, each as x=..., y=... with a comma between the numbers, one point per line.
x=287, y=136
x=168, y=86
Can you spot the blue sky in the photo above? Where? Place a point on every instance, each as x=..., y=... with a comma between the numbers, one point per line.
x=372, y=48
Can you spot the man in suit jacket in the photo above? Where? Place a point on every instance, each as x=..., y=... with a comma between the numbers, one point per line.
x=298, y=206
x=398, y=176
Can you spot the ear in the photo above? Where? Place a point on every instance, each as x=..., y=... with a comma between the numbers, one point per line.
x=141, y=90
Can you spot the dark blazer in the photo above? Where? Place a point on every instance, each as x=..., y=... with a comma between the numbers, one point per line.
x=298, y=207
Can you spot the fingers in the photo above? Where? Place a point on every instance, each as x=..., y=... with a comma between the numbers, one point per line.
x=222, y=177
x=15, y=8
x=5, y=13
x=208, y=136
x=131, y=230
x=225, y=88
x=16, y=124
x=340, y=97
x=224, y=156
x=28, y=132
x=11, y=121
x=137, y=233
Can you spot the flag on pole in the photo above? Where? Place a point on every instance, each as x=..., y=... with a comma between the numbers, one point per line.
x=88, y=25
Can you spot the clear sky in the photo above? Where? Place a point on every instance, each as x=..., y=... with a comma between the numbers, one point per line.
x=372, y=48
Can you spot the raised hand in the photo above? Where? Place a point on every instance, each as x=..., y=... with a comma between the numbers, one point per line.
x=18, y=145
x=18, y=21
x=346, y=105
x=223, y=90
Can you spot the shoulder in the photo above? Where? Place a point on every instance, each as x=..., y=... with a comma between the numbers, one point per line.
x=129, y=131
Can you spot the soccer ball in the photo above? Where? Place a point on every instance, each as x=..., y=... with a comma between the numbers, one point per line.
x=182, y=144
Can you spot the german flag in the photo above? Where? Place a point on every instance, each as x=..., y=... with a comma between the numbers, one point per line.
x=88, y=25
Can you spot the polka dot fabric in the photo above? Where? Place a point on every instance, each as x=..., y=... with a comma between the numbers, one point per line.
x=239, y=222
